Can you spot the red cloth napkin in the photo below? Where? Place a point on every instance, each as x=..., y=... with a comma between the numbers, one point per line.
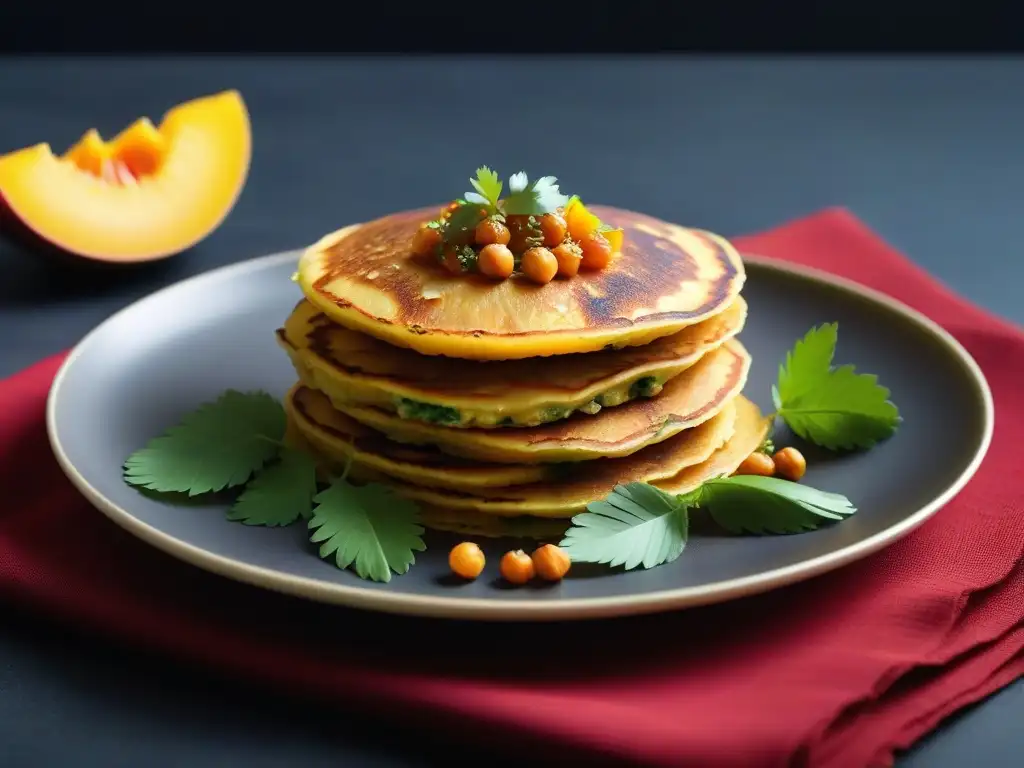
x=838, y=671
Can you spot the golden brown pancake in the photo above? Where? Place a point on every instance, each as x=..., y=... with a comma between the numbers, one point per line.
x=666, y=278
x=338, y=438
x=354, y=368
x=588, y=481
x=686, y=401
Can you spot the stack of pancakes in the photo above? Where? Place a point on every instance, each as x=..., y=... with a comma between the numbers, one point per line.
x=504, y=408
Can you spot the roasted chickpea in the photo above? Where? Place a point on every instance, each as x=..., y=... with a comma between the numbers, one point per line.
x=597, y=251
x=490, y=231
x=466, y=560
x=539, y=264
x=551, y=562
x=450, y=260
x=568, y=256
x=552, y=226
x=517, y=567
x=425, y=241
x=757, y=463
x=790, y=464
x=496, y=261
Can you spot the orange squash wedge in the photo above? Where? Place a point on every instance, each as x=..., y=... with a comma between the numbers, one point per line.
x=581, y=222
x=148, y=193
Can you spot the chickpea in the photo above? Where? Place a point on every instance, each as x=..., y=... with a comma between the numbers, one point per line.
x=496, y=261
x=790, y=464
x=466, y=560
x=553, y=227
x=568, y=256
x=425, y=241
x=757, y=463
x=517, y=567
x=597, y=251
x=490, y=231
x=551, y=562
x=450, y=260
x=539, y=264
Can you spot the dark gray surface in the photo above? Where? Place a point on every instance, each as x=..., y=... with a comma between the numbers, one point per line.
x=927, y=152
x=137, y=375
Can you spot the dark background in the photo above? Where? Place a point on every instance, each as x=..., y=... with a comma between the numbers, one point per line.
x=927, y=151
x=457, y=27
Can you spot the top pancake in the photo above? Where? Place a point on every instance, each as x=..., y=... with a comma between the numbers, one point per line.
x=667, y=278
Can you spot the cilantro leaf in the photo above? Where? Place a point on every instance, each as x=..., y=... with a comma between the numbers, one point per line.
x=217, y=446
x=517, y=182
x=533, y=199
x=832, y=407
x=638, y=524
x=368, y=527
x=488, y=188
x=280, y=494
x=756, y=504
x=462, y=223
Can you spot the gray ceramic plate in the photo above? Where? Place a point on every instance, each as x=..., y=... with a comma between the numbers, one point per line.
x=139, y=371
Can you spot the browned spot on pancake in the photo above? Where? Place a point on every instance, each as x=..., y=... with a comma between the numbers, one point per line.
x=650, y=266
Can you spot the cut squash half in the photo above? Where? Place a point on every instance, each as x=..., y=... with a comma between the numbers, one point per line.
x=148, y=193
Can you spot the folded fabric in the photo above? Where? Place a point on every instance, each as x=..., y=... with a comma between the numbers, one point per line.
x=842, y=670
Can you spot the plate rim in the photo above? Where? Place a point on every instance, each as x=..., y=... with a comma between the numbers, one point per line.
x=484, y=609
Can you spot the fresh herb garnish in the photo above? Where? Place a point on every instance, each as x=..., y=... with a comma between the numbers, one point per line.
x=835, y=408
x=640, y=524
x=219, y=445
x=525, y=199
x=536, y=198
x=280, y=494
x=755, y=504
x=488, y=190
x=238, y=439
x=367, y=527
x=459, y=227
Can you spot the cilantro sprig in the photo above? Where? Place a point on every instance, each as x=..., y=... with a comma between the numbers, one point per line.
x=525, y=198
x=238, y=440
x=536, y=198
x=488, y=190
x=641, y=525
x=833, y=407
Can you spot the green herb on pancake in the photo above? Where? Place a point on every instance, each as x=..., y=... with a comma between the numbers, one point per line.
x=525, y=198
x=532, y=199
x=366, y=527
x=238, y=441
x=834, y=407
x=488, y=190
x=641, y=525
x=428, y=412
